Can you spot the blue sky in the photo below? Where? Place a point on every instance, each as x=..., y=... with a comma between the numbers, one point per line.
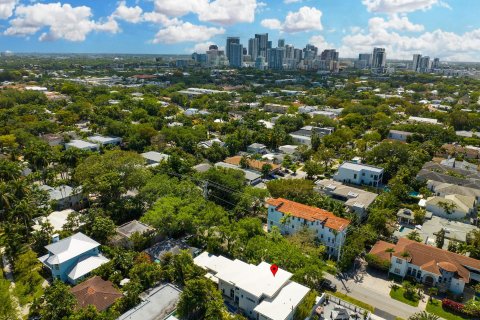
x=448, y=29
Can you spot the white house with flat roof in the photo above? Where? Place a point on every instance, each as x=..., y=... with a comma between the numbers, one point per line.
x=360, y=174
x=104, y=141
x=82, y=145
x=399, y=135
x=154, y=158
x=253, y=288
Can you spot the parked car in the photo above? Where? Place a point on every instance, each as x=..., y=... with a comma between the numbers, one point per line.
x=328, y=285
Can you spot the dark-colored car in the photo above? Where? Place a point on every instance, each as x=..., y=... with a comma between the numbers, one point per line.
x=328, y=285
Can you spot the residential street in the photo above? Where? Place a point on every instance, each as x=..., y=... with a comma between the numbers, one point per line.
x=373, y=290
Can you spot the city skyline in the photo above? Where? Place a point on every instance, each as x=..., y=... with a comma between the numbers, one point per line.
x=436, y=28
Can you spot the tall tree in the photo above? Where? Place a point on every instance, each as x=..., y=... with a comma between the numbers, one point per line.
x=200, y=299
x=112, y=174
x=58, y=302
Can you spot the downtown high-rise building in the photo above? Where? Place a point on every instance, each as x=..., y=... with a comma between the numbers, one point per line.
x=281, y=43
x=436, y=64
x=424, y=64
x=253, y=48
x=416, y=62
x=310, y=52
x=228, y=47
x=276, y=58
x=297, y=54
x=289, y=52
x=379, y=59
x=236, y=55
x=364, y=61
x=262, y=44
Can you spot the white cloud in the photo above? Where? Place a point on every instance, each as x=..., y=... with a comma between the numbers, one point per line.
x=129, y=14
x=291, y=1
x=394, y=22
x=224, y=12
x=228, y=12
x=178, y=8
x=398, y=6
x=320, y=42
x=160, y=18
x=62, y=21
x=186, y=32
x=438, y=43
x=6, y=8
x=271, y=23
x=305, y=19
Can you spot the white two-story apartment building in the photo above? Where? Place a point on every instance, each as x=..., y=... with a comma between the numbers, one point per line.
x=257, y=293
x=426, y=264
x=290, y=217
x=360, y=174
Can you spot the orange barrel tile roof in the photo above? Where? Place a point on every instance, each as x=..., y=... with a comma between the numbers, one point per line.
x=309, y=213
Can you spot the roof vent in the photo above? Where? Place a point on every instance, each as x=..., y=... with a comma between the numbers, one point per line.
x=352, y=194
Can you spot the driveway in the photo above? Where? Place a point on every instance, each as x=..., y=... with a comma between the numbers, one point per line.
x=373, y=288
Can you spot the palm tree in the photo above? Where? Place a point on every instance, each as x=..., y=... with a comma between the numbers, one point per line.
x=423, y=316
x=431, y=292
x=287, y=217
x=391, y=251
x=448, y=207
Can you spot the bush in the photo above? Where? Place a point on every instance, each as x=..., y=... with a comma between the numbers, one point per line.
x=452, y=305
x=377, y=263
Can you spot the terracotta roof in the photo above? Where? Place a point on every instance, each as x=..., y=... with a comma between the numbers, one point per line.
x=429, y=258
x=253, y=164
x=380, y=249
x=309, y=213
x=97, y=292
x=447, y=266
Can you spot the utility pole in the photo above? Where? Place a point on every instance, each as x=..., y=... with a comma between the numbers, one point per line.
x=205, y=189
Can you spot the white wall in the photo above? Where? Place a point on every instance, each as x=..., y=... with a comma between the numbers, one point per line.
x=324, y=234
x=440, y=212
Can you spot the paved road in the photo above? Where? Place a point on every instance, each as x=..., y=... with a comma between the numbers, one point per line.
x=378, y=298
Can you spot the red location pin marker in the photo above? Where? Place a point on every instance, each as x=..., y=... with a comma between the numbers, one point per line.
x=274, y=269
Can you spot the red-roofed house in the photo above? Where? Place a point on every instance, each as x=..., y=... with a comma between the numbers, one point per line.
x=96, y=292
x=429, y=265
x=290, y=217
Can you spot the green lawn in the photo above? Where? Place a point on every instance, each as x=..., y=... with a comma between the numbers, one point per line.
x=435, y=307
x=398, y=294
x=353, y=301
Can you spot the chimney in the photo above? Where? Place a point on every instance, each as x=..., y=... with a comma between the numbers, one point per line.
x=55, y=237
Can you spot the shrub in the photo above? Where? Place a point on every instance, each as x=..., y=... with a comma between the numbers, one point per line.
x=452, y=305
x=377, y=263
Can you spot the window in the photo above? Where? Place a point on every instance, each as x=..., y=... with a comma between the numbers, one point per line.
x=363, y=174
x=399, y=261
x=419, y=274
x=355, y=176
x=293, y=227
x=321, y=236
x=56, y=267
x=330, y=229
x=328, y=239
x=397, y=271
